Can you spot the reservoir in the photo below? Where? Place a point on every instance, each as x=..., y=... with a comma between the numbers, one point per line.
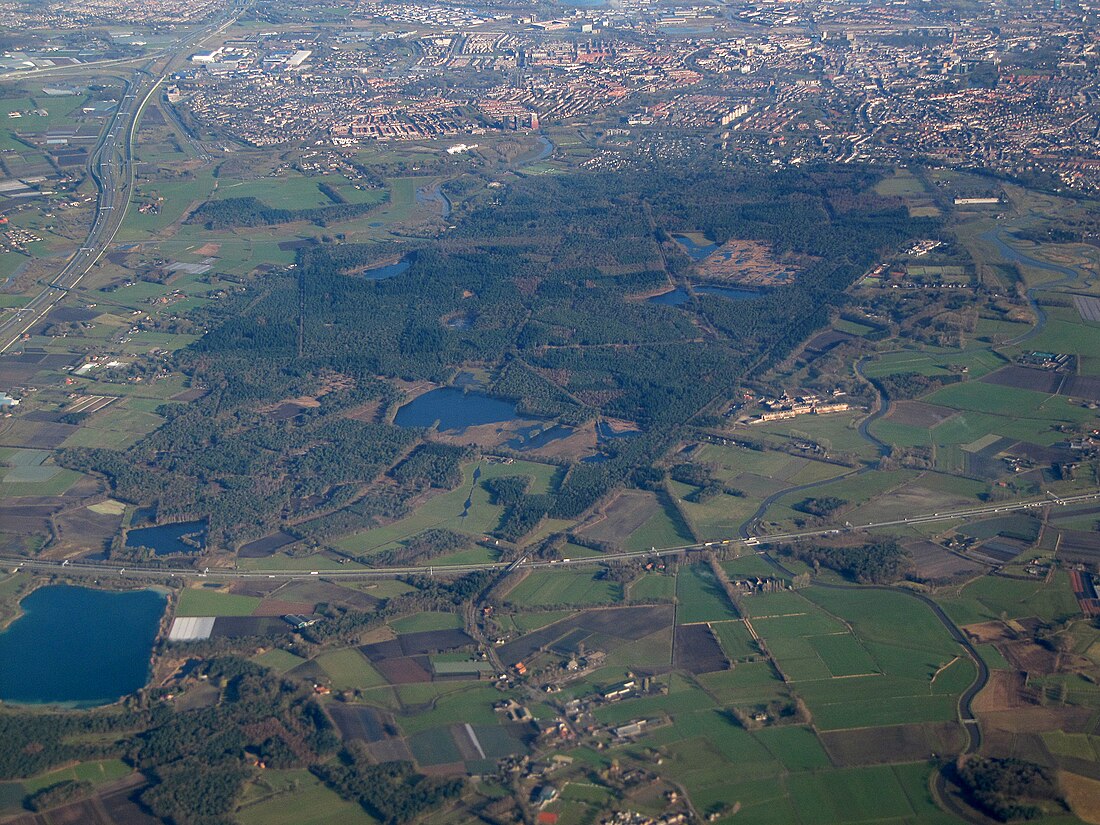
x=381, y=273
x=697, y=251
x=78, y=646
x=455, y=410
x=170, y=539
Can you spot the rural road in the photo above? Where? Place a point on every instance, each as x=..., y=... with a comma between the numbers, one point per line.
x=882, y=407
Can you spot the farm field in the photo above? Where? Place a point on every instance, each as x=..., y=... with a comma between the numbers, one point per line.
x=201, y=601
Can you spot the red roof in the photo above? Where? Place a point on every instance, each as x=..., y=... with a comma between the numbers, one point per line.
x=547, y=818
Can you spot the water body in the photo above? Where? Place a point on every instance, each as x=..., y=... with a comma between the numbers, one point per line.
x=604, y=430
x=435, y=195
x=167, y=539
x=78, y=646
x=454, y=410
x=695, y=250
x=1010, y=253
x=679, y=296
x=530, y=438
x=381, y=273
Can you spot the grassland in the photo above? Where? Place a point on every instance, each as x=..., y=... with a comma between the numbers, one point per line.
x=297, y=798
x=349, y=670
x=201, y=601
x=445, y=510
x=700, y=597
x=543, y=588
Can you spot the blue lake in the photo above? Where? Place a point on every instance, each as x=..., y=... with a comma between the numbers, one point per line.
x=531, y=438
x=381, y=273
x=454, y=410
x=167, y=539
x=695, y=250
x=604, y=430
x=78, y=646
x=678, y=296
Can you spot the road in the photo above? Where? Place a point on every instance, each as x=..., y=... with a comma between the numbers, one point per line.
x=165, y=572
x=111, y=167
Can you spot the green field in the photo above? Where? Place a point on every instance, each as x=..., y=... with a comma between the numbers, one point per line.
x=278, y=660
x=201, y=601
x=426, y=621
x=98, y=772
x=349, y=670
x=299, y=798
x=991, y=597
x=700, y=597
x=545, y=588
x=445, y=510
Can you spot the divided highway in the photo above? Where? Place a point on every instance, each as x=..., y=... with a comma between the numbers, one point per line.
x=111, y=167
x=156, y=571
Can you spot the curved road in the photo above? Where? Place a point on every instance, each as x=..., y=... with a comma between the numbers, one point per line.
x=882, y=406
x=112, y=170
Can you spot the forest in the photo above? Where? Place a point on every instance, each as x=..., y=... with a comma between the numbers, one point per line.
x=551, y=284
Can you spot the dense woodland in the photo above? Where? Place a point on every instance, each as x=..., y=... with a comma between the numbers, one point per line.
x=877, y=562
x=246, y=212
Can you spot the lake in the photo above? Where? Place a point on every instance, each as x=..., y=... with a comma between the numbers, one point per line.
x=679, y=296
x=78, y=646
x=381, y=273
x=455, y=410
x=696, y=251
x=167, y=539
x=535, y=438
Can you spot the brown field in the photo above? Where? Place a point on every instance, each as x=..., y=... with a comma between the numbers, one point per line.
x=322, y=591
x=40, y=436
x=1083, y=795
x=1080, y=546
x=1027, y=746
x=1029, y=657
x=254, y=587
x=625, y=623
x=1004, y=691
x=266, y=546
x=1035, y=719
x=825, y=341
x=404, y=670
x=390, y=750
x=359, y=722
x=190, y=395
x=697, y=650
x=274, y=607
x=988, y=632
x=892, y=744
x=87, y=529
x=919, y=414
x=751, y=263
x=1025, y=378
x=939, y=564
x=1082, y=386
x=623, y=515
x=367, y=412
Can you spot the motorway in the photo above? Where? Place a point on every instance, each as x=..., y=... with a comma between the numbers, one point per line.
x=103, y=568
x=111, y=166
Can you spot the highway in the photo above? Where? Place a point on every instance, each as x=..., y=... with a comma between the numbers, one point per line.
x=756, y=543
x=111, y=167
